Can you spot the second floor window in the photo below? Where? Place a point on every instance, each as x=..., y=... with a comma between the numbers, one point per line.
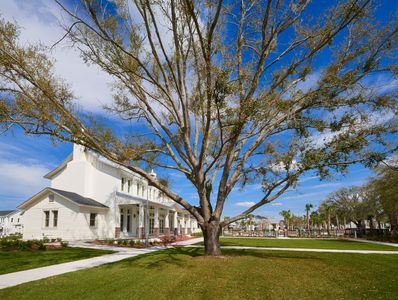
x=46, y=218
x=122, y=184
x=128, y=186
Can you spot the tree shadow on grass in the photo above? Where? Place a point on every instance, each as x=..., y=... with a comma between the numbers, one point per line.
x=270, y=254
x=178, y=257
x=158, y=259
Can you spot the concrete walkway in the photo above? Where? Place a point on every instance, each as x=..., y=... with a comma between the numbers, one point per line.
x=16, y=278
x=303, y=249
x=374, y=242
x=12, y=279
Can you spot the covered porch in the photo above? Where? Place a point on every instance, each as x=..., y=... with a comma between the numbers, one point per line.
x=138, y=220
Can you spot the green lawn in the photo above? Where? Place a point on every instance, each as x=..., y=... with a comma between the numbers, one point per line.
x=13, y=261
x=247, y=274
x=304, y=243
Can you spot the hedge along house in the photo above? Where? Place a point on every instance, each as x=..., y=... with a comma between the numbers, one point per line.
x=91, y=197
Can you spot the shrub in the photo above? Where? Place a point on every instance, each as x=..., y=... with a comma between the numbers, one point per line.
x=64, y=244
x=15, y=242
x=165, y=240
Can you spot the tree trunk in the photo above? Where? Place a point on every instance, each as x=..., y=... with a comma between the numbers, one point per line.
x=328, y=225
x=211, y=236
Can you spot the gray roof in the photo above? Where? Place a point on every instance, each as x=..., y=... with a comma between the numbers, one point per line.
x=78, y=199
x=5, y=212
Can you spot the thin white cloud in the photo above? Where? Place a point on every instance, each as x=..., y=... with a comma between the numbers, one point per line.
x=276, y=204
x=326, y=185
x=245, y=203
x=21, y=180
x=40, y=23
x=309, y=196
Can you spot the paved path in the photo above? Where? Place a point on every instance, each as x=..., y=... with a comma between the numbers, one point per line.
x=374, y=242
x=303, y=249
x=16, y=278
x=11, y=279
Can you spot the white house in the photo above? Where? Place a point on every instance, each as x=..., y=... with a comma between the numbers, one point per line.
x=91, y=197
x=11, y=222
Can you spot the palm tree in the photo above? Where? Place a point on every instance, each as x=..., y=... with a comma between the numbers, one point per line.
x=308, y=207
x=287, y=215
x=327, y=208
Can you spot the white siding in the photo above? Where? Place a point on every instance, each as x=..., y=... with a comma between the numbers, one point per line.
x=73, y=222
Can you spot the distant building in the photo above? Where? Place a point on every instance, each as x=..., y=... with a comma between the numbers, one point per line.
x=11, y=222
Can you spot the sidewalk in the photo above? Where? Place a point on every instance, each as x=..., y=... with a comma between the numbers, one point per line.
x=16, y=278
x=11, y=279
x=303, y=249
x=374, y=242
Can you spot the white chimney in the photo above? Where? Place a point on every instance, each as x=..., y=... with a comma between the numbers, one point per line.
x=153, y=174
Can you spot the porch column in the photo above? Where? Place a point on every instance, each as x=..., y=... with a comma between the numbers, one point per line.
x=192, y=224
x=141, y=222
x=183, y=232
x=117, y=223
x=166, y=223
x=156, y=223
x=175, y=223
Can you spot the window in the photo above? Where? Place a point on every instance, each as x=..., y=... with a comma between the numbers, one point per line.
x=121, y=219
x=18, y=220
x=128, y=222
x=128, y=185
x=143, y=191
x=55, y=218
x=161, y=226
x=138, y=188
x=46, y=218
x=12, y=220
x=93, y=218
x=51, y=198
x=151, y=225
x=123, y=182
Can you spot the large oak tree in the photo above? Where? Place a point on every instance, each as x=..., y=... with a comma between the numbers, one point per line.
x=230, y=92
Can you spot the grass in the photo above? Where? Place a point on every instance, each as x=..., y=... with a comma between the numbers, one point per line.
x=246, y=274
x=13, y=261
x=304, y=243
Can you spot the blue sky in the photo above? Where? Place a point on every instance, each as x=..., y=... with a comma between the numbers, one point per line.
x=25, y=159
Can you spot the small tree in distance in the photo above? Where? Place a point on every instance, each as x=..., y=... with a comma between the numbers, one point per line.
x=222, y=89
